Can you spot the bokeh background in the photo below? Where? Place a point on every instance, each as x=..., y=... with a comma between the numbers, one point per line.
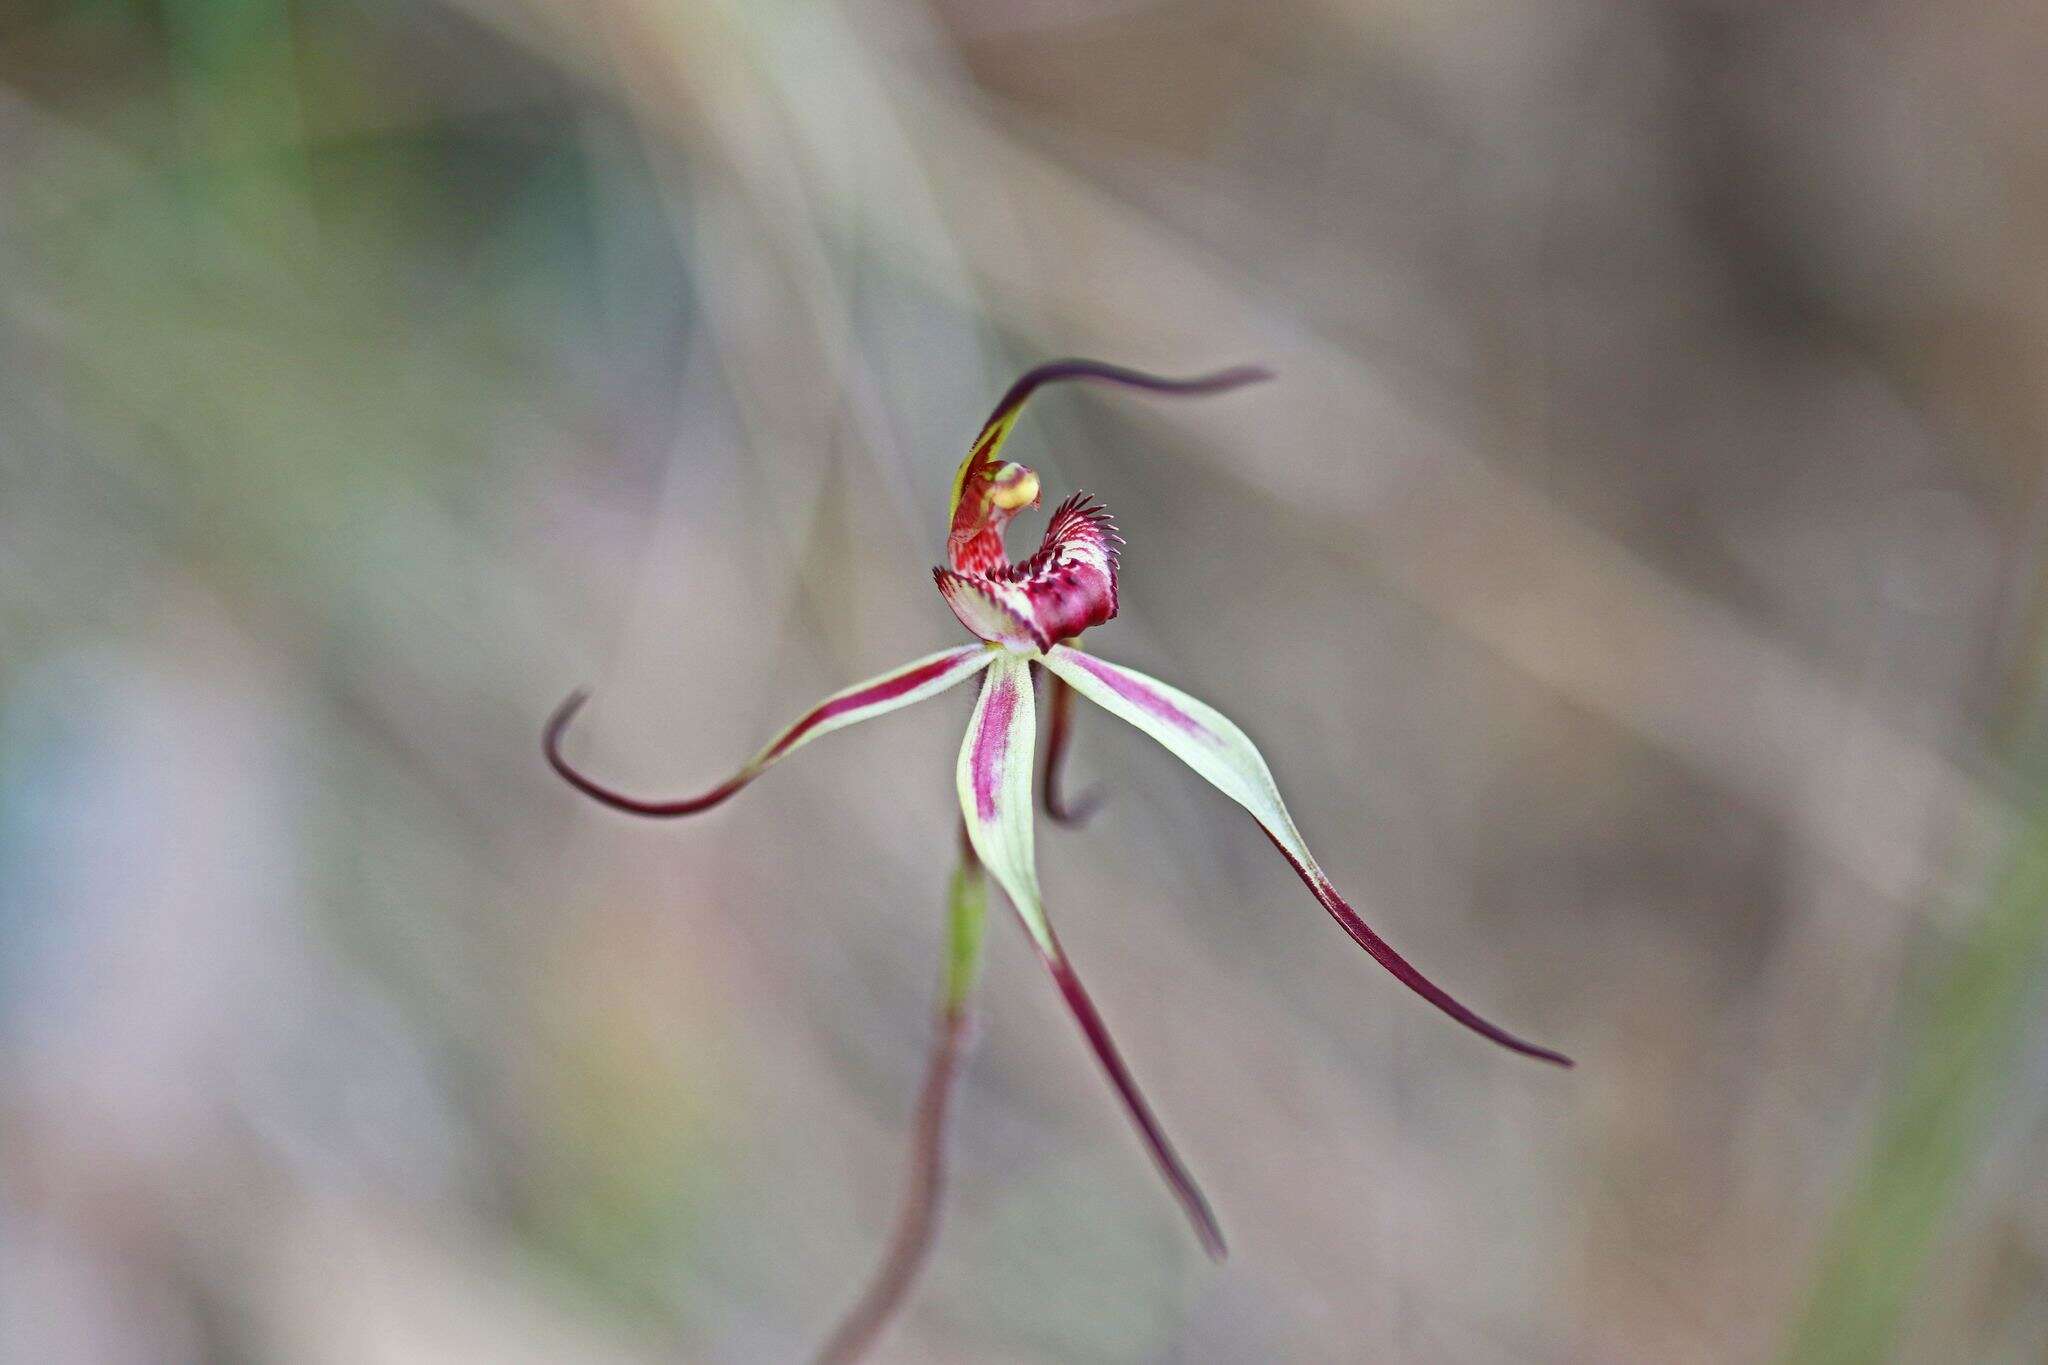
x=1635, y=577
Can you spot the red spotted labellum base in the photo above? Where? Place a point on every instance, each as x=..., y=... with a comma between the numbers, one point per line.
x=1068, y=586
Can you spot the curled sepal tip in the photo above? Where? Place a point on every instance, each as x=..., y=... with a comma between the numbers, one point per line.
x=994, y=780
x=900, y=687
x=1207, y=741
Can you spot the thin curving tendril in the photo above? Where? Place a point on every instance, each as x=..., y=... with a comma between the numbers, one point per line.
x=551, y=742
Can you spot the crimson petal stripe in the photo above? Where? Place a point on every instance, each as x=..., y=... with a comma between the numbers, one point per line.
x=892, y=691
x=994, y=781
x=1207, y=741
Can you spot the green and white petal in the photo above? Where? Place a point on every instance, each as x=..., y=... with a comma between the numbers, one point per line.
x=1207, y=741
x=892, y=691
x=994, y=780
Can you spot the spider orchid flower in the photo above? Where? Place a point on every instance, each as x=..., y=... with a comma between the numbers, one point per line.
x=1030, y=612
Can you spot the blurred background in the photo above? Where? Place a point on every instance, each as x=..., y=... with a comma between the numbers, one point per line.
x=1635, y=577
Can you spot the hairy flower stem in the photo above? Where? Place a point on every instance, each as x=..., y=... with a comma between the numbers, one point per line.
x=918, y=1221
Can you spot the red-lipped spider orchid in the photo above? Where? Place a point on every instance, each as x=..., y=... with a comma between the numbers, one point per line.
x=1022, y=614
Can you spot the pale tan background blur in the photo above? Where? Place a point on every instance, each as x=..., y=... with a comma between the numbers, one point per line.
x=1634, y=577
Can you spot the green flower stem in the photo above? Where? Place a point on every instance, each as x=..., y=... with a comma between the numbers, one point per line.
x=917, y=1223
x=967, y=915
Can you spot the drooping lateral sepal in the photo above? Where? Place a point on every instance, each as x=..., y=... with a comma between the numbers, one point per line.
x=892, y=691
x=1059, y=730
x=1207, y=741
x=994, y=780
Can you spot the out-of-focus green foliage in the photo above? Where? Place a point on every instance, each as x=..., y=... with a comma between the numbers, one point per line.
x=1966, y=1042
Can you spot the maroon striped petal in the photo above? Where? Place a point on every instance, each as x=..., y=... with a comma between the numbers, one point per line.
x=1207, y=741
x=892, y=691
x=994, y=781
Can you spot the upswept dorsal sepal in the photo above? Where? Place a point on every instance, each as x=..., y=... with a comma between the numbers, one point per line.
x=987, y=492
x=1070, y=583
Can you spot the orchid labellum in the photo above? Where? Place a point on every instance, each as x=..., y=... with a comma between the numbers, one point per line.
x=1024, y=613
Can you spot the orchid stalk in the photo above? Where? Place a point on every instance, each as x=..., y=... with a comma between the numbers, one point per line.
x=1026, y=615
